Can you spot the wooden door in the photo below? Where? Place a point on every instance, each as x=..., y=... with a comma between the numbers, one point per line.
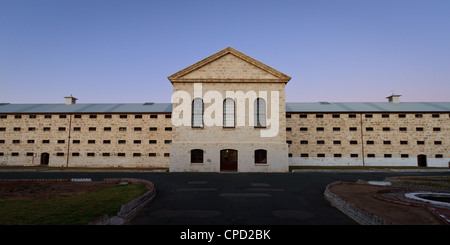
x=45, y=157
x=228, y=160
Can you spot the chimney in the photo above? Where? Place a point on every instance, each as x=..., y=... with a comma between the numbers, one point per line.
x=70, y=100
x=394, y=98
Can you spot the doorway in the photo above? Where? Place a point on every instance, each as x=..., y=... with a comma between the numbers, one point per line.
x=422, y=160
x=228, y=160
x=45, y=157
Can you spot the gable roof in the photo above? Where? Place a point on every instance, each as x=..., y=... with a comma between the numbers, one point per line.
x=87, y=108
x=291, y=107
x=330, y=107
x=227, y=73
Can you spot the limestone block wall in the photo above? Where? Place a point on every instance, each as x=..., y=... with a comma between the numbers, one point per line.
x=24, y=137
x=91, y=140
x=239, y=133
x=145, y=140
x=370, y=139
x=229, y=67
x=315, y=137
x=246, y=138
x=276, y=158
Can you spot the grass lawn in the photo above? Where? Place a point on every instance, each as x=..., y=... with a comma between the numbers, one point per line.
x=73, y=209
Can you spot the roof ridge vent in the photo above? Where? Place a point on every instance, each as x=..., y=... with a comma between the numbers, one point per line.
x=149, y=103
x=324, y=102
x=4, y=104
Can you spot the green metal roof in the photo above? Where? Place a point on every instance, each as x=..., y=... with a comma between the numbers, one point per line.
x=323, y=107
x=87, y=108
x=368, y=107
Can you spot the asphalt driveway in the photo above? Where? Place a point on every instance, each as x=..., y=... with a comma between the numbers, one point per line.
x=240, y=199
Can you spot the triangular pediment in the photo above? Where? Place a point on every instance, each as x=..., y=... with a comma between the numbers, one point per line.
x=229, y=65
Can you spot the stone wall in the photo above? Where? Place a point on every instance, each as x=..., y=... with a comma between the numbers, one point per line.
x=370, y=139
x=245, y=133
x=86, y=140
x=244, y=137
x=229, y=67
x=23, y=140
x=180, y=158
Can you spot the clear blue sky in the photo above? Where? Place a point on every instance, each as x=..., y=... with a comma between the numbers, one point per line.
x=108, y=51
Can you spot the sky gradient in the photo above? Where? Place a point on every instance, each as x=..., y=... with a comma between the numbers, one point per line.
x=109, y=51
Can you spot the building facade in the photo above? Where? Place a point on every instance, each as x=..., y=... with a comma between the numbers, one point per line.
x=230, y=101
x=228, y=113
x=86, y=135
x=380, y=134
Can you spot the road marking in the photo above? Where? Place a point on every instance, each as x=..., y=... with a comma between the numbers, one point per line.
x=197, y=182
x=263, y=189
x=293, y=214
x=185, y=213
x=197, y=189
x=260, y=185
x=244, y=195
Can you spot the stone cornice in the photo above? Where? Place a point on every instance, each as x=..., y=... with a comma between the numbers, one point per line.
x=178, y=76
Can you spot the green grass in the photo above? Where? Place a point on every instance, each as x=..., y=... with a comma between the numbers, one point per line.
x=430, y=184
x=74, y=209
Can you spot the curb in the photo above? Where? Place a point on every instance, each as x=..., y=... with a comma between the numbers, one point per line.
x=386, y=170
x=24, y=169
x=129, y=210
x=359, y=215
x=363, y=217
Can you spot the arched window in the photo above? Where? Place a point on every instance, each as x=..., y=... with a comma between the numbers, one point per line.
x=260, y=112
x=197, y=113
x=228, y=113
x=197, y=156
x=260, y=156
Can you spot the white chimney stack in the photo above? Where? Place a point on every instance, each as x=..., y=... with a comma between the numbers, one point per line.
x=70, y=100
x=394, y=98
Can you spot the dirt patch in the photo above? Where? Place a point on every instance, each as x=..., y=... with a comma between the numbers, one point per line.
x=364, y=197
x=45, y=189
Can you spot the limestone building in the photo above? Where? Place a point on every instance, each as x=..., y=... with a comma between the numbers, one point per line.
x=243, y=126
x=228, y=113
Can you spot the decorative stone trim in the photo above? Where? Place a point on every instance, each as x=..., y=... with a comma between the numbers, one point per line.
x=177, y=77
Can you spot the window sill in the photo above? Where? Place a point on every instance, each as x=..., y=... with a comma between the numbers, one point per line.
x=197, y=164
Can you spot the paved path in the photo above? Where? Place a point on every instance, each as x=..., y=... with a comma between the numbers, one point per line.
x=240, y=199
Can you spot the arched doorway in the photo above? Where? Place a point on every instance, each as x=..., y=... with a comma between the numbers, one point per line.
x=228, y=160
x=422, y=160
x=45, y=157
